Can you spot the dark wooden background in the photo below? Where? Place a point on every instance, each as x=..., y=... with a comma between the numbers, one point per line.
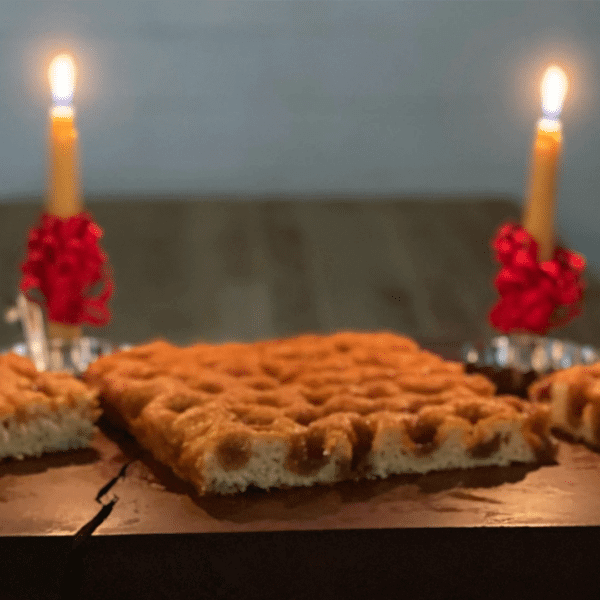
x=219, y=269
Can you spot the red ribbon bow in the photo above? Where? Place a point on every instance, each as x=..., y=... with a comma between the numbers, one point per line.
x=64, y=261
x=534, y=296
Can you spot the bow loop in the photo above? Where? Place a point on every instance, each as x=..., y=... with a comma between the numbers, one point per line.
x=64, y=261
x=534, y=296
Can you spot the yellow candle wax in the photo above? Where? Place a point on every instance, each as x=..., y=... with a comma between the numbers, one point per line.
x=538, y=217
x=64, y=189
x=541, y=196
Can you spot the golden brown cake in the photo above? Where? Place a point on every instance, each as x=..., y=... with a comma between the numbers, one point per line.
x=42, y=412
x=312, y=409
x=574, y=396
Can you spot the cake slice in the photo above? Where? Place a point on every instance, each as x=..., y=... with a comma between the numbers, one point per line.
x=574, y=396
x=312, y=409
x=42, y=411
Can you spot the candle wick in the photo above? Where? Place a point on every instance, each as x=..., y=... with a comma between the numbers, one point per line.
x=549, y=124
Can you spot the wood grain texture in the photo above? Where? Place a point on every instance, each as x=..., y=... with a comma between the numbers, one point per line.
x=154, y=501
x=220, y=269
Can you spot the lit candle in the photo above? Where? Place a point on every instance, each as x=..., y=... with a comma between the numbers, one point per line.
x=538, y=217
x=64, y=188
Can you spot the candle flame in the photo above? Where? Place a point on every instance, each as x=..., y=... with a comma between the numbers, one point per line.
x=554, y=90
x=62, y=78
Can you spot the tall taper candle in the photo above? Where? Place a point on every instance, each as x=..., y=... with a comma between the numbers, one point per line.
x=538, y=217
x=64, y=189
x=64, y=186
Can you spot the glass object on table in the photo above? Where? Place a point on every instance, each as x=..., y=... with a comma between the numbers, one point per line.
x=514, y=361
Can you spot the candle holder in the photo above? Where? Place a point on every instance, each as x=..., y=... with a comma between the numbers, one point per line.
x=515, y=361
x=71, y=355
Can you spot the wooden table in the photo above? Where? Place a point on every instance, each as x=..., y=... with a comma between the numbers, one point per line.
x=255, y=269
x=221, y=270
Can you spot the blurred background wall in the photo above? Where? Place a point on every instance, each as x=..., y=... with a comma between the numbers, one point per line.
x=369, y=98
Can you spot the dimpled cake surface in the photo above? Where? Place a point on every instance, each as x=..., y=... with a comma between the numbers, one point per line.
x=574, y=400
x=41, y=411
x=312, y=409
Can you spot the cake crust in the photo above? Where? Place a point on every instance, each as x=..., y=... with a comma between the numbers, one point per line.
x=574, y=399
x=313, y=409
x=42, y=411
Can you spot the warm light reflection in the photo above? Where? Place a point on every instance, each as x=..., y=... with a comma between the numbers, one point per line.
x=62, y=78
x=554, y=90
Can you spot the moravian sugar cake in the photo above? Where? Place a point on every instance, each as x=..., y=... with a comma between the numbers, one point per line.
x=574, y=396
x=42, y=412
x=313, y=409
